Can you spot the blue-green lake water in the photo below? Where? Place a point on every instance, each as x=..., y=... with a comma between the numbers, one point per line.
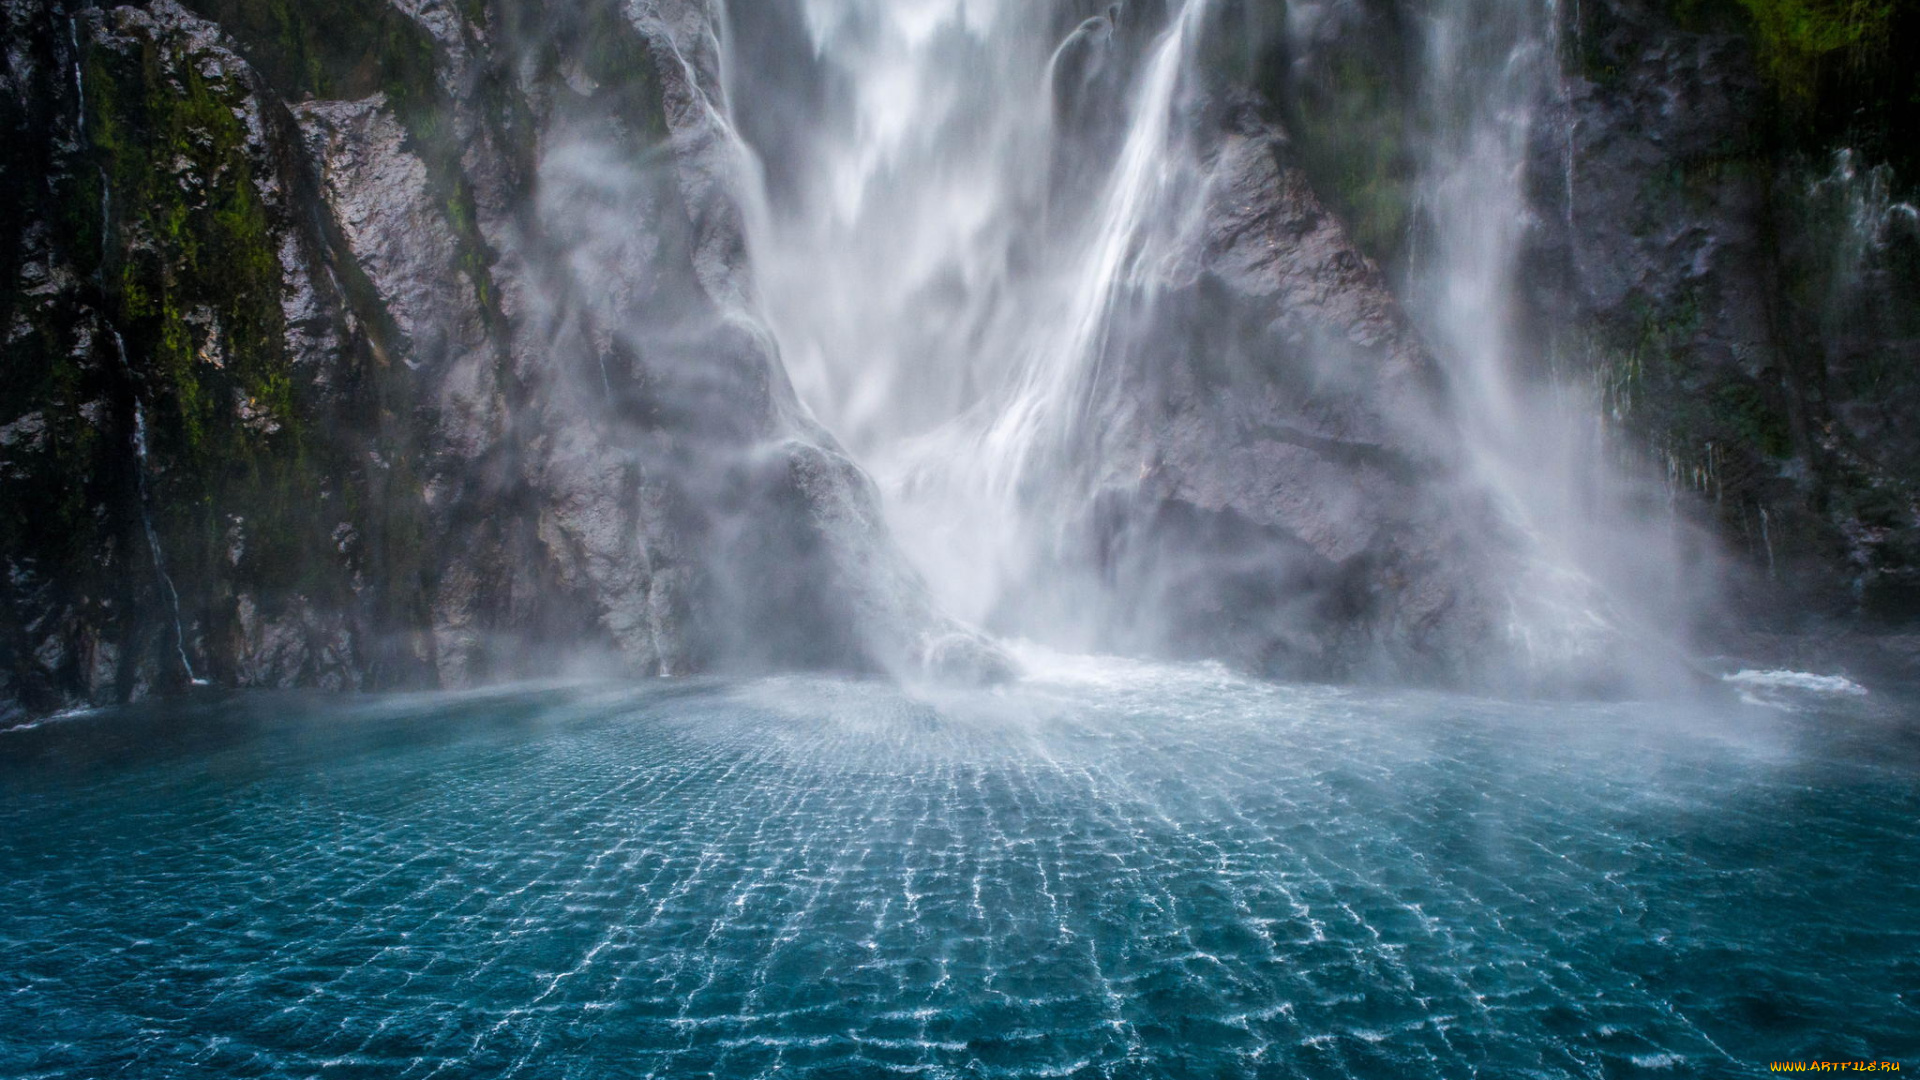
x=1109, y=870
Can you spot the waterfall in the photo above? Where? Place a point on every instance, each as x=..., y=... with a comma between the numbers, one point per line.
x=1596, y=567
x=980, y=212
x=939, y=314
x=1054, y=384
x=153, y=544
x=985, y=497
x=146, y=522
x=79, y=81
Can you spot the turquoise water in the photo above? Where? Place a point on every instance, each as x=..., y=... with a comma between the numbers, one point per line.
x=1107, y=870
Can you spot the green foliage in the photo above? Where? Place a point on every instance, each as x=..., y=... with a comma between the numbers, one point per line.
x=191, y=278
x=341, y=49
x=194, y=241
x=1351, y=130
x=256, y=463
x=349, y=49
x=1795, y=38
x=1652, y=381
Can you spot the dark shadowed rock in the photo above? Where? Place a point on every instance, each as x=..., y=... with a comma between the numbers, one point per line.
x=1747, y=306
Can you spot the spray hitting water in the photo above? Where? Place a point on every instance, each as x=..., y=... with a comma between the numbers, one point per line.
x=1490, y=66
x=978, y=226
x=1605, y=557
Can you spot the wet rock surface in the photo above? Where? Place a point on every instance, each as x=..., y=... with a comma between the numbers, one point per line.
x=1747, y=307
x=405, y=342
x=441, y=322
x=1298, y=506
x=1724, y=267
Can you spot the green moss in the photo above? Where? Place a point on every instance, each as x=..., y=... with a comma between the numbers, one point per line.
x=185, y=263
x=1352, y=134
x=191, y=278
x=1795, y=38
x=1742, y=411
x=1795, y=41
x=1652, y=383
x=1838, y=72
x=340, y=49
x=350, y=49
x=195, y=243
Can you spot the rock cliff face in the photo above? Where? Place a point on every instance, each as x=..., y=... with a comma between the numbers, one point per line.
x=1742, y=280
x=1251, y=460
x=391, y=343
x=1299, y=507
x=372, y=344
x=1717, y=247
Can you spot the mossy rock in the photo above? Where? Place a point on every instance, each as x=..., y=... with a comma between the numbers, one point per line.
x=283, y=483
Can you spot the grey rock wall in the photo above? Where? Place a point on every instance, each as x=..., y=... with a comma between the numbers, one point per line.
x=1748, y=305
x=438, y=321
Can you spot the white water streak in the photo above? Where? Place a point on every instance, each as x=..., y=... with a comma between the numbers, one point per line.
x=931, y=314
x=1058, y=376
x=146, y=523
x=1598, y=570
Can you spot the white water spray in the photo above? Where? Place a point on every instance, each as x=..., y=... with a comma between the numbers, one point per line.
x=1055, y=381
x=1598, y=571
x=949, y=306
x=937, y=313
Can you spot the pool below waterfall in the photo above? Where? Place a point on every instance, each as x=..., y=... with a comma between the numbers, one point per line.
x=1106, y=870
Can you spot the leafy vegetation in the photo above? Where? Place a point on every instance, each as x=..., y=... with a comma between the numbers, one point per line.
x=1349, y=110
x=1838, y=72
x=1796, y=38
x=350, y=49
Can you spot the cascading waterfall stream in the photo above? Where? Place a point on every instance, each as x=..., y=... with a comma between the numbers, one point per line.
x=1597, y=570
x=1004, y=478
x=1057, y=378
x=1489, y=65
x=958, y=344
x=153, y=545
x=1235, y=774
x=948, y=305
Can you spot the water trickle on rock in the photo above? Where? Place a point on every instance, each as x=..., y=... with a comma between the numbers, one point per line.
x=154, y=549
x=79, y=81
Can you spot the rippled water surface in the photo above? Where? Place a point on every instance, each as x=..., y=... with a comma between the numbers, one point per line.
x=1108, y=870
